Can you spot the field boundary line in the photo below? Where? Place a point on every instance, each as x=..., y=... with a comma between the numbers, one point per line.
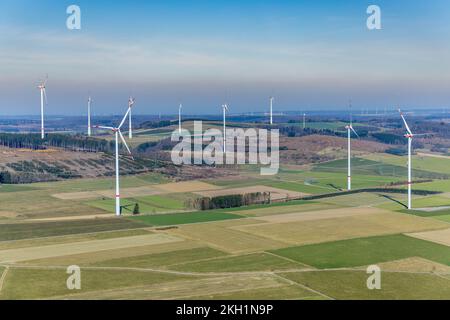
x=74, y=295
x=212, y=274
x=303, y=286
x=227, y=255
x=2, y=279
x=287, y=259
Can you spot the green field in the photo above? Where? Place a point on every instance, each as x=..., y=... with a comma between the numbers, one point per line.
x=244, y=263
x=46, y=283
x=19, y=231
x=184, y=218
x=15, y=188
x=148, y=204
x=163, y=259
x=438, y=165
x=376, y=168
x=419, y=202
x=366, y=251
x=444, y=217
x=348, y=285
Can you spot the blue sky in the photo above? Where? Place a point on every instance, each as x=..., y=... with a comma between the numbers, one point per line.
x=308, y=54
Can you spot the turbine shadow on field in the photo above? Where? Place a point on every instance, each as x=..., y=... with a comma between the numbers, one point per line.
x=394, y=200
x=334, y=186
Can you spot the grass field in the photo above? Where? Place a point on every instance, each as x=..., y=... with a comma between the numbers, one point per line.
x=285, y=292
x=243, y=263
x=223, y=236
x=148, y=204
x=438, y=165
x=34, y=242
x=15, y=188
x=332, y=229
x=352, y=285
x=184, y=218
x=366, y=251
x=19, y=231
x=45, y=283
x=163, y=259
x=318, y=181
x=374, y=168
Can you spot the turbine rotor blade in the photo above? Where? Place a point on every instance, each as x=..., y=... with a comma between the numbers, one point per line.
x=45, y=96
x=103, y=127
x=406, y=124
x=423, y=134
x=124, y=118
x=354, y=131
x=125, y=143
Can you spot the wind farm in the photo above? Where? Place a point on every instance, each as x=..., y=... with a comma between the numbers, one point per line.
x=235, y=170
x=174, y=245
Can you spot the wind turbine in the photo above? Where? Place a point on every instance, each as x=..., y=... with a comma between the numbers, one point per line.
x=349, y=149
x=89, y=116
x=225, y=109
x=41, y=87
x=179, y=117
x=271, y=110
x=409, y=135
x=130, y=129
x=118, y=134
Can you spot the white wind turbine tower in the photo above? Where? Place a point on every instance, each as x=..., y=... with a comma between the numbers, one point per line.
x=409, y=135
x=41, y=87
x=118, y=134
x=130, y=129
x=271, y=110
x=349, y=149
x=179, y=117
x=225, y=109
x=89, y=116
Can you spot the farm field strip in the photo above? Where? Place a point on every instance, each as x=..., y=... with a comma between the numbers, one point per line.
x=352, y=285
x=366, y=251
x=50, y=251
x=99, y=257
x=285, y=209
x=438, y=236
x=415, y=264
x=332, y=229
x=317, y=215
x=109, y=193
x=226, y=238
x=186, y=288
x=43, y=241
x=30, y=230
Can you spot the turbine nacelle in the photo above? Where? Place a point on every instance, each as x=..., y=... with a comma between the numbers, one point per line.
x=350, y=127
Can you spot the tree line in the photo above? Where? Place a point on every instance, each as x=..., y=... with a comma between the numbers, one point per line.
x=64, y=141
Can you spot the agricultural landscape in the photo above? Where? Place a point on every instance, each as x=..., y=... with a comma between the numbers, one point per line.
x=311, y=240
x=207, y=152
